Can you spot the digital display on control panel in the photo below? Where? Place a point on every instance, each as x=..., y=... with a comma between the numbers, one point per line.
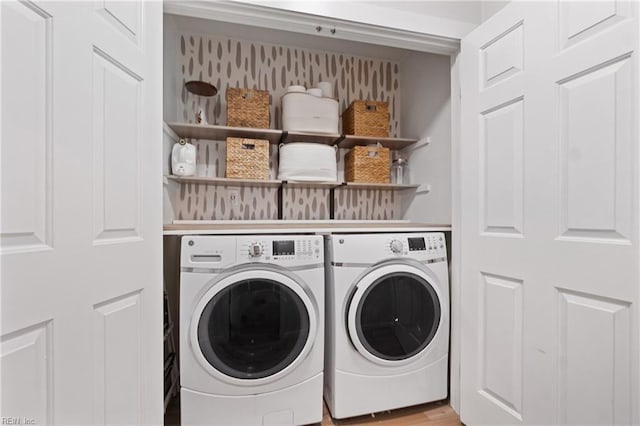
x=283, y=248
x=417, y=244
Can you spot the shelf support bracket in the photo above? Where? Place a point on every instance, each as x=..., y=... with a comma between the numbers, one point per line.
x=332, y=202
x=283, y=136
x=281, y=200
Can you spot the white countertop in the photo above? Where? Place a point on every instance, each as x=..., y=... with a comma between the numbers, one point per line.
x=222, y=227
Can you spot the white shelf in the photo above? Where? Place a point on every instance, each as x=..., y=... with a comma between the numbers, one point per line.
x=225, y=181
x=274, y=136
x=237, y=227
x=386, y=186
x=314, y=185
x=392, y=143
x=221, y=133
x=287, y=184
x=326, y=139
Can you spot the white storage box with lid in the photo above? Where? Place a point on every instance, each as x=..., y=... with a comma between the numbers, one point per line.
x=310, y=162
x=304, y=112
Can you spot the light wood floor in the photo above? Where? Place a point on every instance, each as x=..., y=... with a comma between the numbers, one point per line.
x=433, y=414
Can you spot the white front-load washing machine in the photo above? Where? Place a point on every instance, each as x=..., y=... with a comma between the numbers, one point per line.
x=387, y=329
x=251, y=330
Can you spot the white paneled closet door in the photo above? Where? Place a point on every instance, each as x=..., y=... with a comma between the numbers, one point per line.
x=550, y=259
x=80, y=122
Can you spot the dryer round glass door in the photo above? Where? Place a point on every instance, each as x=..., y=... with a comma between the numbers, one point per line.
x=252, y=328
x=394, y=314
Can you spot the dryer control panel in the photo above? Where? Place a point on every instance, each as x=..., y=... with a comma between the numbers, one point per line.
x=363, y=248
x=430, y=243
x=419, y=246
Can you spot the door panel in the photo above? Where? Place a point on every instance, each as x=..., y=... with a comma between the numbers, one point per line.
x=500, y=342
x=595, y=276
x=117, y=159
x=607, y=325
x=126, y=17
x=26, y=104
x=581, y=20
x=595, y=152
x=550, y=324
x=117, y=342
x=502, y=57
x=501, y=177
x=27, y=371
x=495, y=218
x=81, y=229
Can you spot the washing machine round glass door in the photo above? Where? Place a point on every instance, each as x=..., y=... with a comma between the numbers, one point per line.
x=394, y=314
x=253, y=326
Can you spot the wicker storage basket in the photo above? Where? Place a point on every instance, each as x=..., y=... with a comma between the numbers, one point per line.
x=367, y=164
x=366, y=118
x=247, y=108
x=247, y=158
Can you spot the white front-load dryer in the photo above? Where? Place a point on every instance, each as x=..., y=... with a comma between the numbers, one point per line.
x=251, y=330
x=387, y=329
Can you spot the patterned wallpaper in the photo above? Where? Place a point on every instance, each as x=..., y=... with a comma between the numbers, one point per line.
x=209, y=202
x=237, y=63
x=369, y=204
x=305, y=203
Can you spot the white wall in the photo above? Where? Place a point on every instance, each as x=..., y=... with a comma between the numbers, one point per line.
x=169, y=111
x=426, y=113
x=169, y=188
x=453, y=18
x=443, y=18
x=489, y=8
x=457, y=10
x=169, y=69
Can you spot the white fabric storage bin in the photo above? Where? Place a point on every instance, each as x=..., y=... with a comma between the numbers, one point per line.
x=310, y=162
x=304, y=112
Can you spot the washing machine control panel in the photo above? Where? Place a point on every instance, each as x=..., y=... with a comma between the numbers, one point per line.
x=285, y=250
x=222, y=251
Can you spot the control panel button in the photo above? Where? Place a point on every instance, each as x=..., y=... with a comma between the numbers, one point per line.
x=396, y=246
x=255, y=250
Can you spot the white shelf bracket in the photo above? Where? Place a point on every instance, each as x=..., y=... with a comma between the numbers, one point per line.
x=422, y=143
x=423, y=189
